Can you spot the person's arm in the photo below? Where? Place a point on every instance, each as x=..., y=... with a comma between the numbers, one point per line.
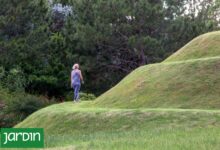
x=71, y=79
x=81, y=77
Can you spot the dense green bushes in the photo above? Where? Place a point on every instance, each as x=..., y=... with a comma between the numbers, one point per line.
x=16, y=106
x=13, y=80
x=23, y=105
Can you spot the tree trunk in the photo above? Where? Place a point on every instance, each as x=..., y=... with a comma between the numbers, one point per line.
x=143, y=59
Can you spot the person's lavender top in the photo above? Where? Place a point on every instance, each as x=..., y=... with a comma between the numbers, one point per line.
x=75, y=76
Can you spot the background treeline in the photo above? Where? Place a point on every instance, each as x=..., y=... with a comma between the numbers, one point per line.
x=40, y=40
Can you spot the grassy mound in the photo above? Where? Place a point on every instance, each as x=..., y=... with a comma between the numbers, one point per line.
x=69, y=118
x=190, y=78
x=98, y=128
x=207, y=45
x=187, y=79
x=185, y=84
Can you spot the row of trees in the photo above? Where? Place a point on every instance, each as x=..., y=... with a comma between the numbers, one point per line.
x=41, y=39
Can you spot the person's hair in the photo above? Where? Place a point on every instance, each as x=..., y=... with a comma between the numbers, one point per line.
x=75, y=66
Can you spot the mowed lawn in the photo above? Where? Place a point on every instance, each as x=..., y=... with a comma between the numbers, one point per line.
x=196, y=138
x=73, y=126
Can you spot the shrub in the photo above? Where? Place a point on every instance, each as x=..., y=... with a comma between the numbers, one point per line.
x=13, y=80
x=2, y=73
x=87, y=96
x=24, y=105
x=16, y=106
x=7, y=120
x=83, y=96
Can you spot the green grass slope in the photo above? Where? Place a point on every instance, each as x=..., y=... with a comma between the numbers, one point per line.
x=184, y=84
x=206, y=45
x=73, y=125
x=190, y=78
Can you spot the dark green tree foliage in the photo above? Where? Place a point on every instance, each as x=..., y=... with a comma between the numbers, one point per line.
x=114, y=37
x=13, y=80
x=186, y=19
x=107, y=38
x=36, y=51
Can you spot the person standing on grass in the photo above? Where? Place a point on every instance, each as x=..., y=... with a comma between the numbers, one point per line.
x=76, y=79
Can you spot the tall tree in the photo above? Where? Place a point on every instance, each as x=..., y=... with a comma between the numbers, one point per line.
x=187, y=19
